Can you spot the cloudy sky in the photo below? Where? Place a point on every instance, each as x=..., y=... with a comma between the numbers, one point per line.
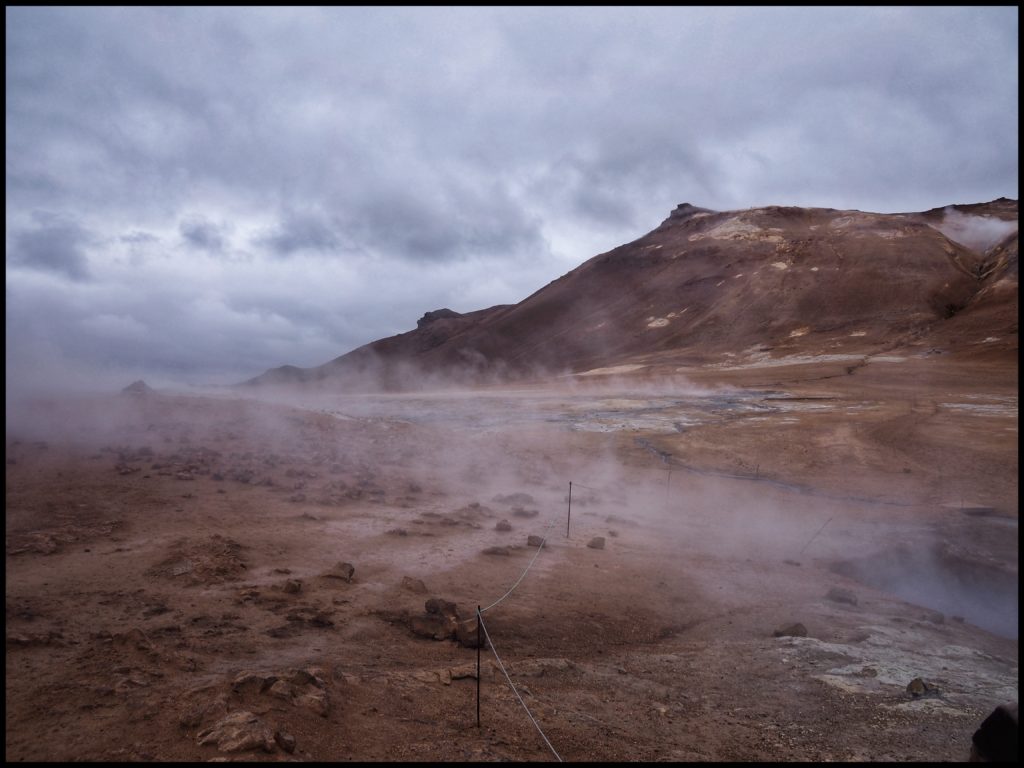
x=195, y=195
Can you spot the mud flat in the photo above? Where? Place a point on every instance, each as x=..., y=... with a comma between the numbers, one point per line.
x=196, y=577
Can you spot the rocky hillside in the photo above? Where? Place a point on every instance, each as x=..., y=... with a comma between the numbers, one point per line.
x=709, y=285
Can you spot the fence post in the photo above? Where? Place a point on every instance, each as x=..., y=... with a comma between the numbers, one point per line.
x=569, y=513
x=479, y=644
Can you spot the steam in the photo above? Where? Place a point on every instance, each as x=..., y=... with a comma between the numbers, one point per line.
x=978, y=233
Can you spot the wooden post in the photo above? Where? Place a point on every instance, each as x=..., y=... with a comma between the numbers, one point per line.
x=569, y=513
x=479, y=645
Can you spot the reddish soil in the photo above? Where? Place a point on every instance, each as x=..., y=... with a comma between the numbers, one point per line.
x=153, y=542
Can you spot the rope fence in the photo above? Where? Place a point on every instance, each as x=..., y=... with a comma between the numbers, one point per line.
x=516, y=692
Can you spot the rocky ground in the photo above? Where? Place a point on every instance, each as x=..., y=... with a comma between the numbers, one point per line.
x=763, y=562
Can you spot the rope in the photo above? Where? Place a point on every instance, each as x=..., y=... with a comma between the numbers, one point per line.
x=532, y=718
x=543, y=539
x=581, y=485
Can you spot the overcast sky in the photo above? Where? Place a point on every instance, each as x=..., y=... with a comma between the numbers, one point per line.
x=195, y=195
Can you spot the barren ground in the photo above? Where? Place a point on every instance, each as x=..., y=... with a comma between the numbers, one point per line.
x=150, y=543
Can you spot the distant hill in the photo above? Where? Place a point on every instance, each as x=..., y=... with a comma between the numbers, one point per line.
x=708, y=285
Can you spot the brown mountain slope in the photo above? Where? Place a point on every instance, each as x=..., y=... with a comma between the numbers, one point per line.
x=707, y=285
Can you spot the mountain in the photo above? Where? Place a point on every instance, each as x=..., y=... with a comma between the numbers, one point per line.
x=708, y=285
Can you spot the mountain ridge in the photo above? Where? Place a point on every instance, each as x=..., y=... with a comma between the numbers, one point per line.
x=708, y=285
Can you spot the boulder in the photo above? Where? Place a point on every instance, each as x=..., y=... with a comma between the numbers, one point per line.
x=496, y=551
x=434, y=626
x=285, y=741
x=997, y=739
x=503, y=525
x=596, y=543
x=414, y=585
x=343, y=571
x=791, y=630
x=237, y=732
x=918, y=688
x=535, y=541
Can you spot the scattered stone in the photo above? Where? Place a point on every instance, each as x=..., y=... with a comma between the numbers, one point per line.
x=535, y=541
x=433, y=626
x=791, y=562
x=503, y=525
x=237, y=732
x=496, y=551
x=840, y=595
x=596, y=543
x=252, y=681
x=398, y=532
x=414, y=585
x=918, y=688
x=293, y=586
x=613, y=534
x=935, y=617
x=467, y=632
x=958, y=619
x=315, y=701
x=466, y=670
x=282, y=690
x=285, y=741
x=791, y=630
x=440, y=606
x=344, y=571
x=442, y=622
x=520, y=512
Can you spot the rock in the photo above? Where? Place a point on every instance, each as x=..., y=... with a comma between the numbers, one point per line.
x=414, y=585
x=344, y=571
x=441, y=607
x=315, y=676
x=535, y=541
x=935, y=617
x=791, y=562
x=238, y=732
x=791, y=630
x=197, y=714
x=496, y=551
x=996, y=740
x=520, y=512
x=285, y=741
x=466, y=632
x=252, y=681
x=503, y=525
x=596, y=543
x=293, y=586
x=316, y=701
x=433, y=626
x=437, y=314
x=466, y=670
x=840, y=595
x=918, y=688
x=282, y=690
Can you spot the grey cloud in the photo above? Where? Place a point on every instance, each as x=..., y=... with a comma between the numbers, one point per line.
x=482, y=150
x=203, y=234
x=54, y=244
x=301, y=232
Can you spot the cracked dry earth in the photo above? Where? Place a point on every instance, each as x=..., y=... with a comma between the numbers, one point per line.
x=175, y=587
